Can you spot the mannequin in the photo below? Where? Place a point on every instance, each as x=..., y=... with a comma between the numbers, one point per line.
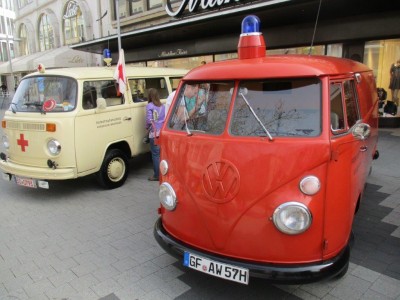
x=394, y=85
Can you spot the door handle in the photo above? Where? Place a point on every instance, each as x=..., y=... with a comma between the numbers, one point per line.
x=127, y=118
x=363, y=148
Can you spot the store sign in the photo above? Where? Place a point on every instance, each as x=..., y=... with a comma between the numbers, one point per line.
x=170, y=53
x=76, y=60
x=72, y=10
x=193, y=5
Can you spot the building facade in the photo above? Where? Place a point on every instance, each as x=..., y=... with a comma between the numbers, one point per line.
x=7, y=18
x=182, y=33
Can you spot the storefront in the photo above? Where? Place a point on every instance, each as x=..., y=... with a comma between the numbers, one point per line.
x=196, y=31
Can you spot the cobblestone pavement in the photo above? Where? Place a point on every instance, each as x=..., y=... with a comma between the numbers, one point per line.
x=77, y=241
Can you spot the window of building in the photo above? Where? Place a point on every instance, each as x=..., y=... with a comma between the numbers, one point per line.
x=135, y=7
x=23, y=3
x=46, y=33
x=151, y=4
x=23, y=44
x=379, y=56
x=74, y=24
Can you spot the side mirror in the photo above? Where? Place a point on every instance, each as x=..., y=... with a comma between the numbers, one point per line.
x=101, y=103
x=361, y=131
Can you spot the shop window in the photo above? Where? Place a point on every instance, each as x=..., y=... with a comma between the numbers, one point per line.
x=379, y=56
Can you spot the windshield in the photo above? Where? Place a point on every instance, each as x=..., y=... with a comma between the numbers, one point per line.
x=283, y=107
x=45, y=94
x=202, y=107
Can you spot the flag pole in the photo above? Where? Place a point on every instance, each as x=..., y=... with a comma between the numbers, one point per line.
x=118, y=25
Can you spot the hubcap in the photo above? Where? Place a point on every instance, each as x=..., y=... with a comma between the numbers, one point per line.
x=116, y=169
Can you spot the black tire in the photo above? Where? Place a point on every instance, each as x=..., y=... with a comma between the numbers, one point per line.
x=114, y=170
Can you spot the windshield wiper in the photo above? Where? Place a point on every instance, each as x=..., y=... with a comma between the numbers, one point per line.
x=254, y=113
x=37, y=105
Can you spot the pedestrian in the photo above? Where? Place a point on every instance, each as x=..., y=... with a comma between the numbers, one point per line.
x=394, y=85
x=155, y=117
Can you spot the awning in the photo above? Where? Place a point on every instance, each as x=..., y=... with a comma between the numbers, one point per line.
x=63, y=57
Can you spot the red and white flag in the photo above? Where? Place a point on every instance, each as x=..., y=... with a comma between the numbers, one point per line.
x=120, y=72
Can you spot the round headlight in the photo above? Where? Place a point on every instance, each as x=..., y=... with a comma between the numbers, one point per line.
x=5, y=142
x=54, y=147
x=310, y=185
x=292, y=218
x=164, y=167
x=167, y=196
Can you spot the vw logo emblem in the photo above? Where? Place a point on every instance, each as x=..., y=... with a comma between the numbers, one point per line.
x=221, y=181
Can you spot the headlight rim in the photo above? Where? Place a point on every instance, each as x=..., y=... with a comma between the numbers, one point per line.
x=285, y=229
x=57, y=146
x=5, y=141
x=171, y=190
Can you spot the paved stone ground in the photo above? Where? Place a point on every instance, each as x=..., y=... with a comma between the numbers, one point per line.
x=77, y=241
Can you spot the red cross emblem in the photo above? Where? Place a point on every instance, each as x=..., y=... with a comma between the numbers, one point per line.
x=22, y=142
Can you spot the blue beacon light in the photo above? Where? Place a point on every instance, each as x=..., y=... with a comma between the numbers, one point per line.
x=251, y=25
x=107, y=57
x=251, y=41
x=106, y=53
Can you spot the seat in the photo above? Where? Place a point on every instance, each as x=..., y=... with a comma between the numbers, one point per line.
x=334, y=121
x=89, y=98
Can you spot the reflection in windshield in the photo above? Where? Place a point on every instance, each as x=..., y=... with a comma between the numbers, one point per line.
x=202, y=107
x=45, y=94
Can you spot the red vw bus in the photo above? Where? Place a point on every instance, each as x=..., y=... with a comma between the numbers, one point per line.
x=264, y=161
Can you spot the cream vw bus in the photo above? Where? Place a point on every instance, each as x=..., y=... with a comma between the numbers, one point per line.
x=72, y=122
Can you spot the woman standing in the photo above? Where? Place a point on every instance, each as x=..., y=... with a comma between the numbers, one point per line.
x=155, y=117
x=394, y=85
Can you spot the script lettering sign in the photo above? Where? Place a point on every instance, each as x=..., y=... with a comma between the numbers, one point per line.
x=193, y=5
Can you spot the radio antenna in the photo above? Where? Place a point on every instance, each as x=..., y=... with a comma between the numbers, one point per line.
x=315, y=27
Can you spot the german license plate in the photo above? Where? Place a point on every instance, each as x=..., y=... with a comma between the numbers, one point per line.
x=28, y=182
x=217, y=269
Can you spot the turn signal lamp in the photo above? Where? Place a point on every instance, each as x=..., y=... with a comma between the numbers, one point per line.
x=3, y=124
x=251, y=42
x=50, y=127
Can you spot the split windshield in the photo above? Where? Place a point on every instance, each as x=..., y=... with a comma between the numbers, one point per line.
x=45, y=94
x=262, y=108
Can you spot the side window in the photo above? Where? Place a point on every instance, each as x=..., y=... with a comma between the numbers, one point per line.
x=344, y=106
x=140, y=86
x=337, y=112
x=107, y=89
x=350, y=98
